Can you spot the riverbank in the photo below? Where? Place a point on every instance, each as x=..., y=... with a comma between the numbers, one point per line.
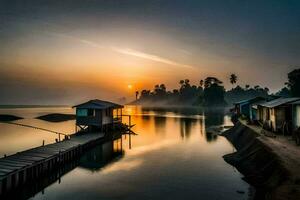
x=270, y=164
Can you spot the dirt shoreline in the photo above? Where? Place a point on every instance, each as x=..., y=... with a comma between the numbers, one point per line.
x=270, y=165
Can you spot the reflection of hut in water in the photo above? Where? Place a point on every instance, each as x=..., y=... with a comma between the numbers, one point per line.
x=95, y=159
x=101, y=155
x=160, y=123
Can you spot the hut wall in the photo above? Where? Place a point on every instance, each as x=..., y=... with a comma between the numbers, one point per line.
x=98, y=116
x=279, y=117
x=94, y=119
x=273, y=118
x=253, y=114
x=260, y=113
x=296, y=117
x=107, y=116
x=265, y=114
x=245, y=109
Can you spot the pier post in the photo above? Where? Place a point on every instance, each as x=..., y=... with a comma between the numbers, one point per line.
x=1, y=190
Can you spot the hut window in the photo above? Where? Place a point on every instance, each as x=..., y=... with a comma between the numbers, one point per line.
x=82, y=112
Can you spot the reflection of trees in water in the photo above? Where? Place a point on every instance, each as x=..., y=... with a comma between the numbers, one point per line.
x=177, y=110
x=214, y=117
x=186, y=125
x=159, y=118
x=210, y=137
x=146, y=118
x=160, y=123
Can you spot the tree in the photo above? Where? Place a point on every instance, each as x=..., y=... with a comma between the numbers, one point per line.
x=266, y=90
x=187, y=82
x=145, y=94
x=163, y=87
x=256, y=87
x=233, y=79
x=201, y=83
x=284, y=92
x=214, y=91
x=293, y=83
x=210, y=81
x=247, y=86
x=181, y=82
x=136, y=95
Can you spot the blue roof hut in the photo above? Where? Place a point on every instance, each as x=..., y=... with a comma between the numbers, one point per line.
x=244, y=107
x=97, y=114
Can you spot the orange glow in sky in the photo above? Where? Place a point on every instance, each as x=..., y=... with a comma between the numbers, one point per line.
x=109, y=49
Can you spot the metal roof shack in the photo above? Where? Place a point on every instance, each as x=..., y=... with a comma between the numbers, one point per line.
x=279, y=102
x=277, y=115
x=295, y=102
x=244, y=107
x=252, y=100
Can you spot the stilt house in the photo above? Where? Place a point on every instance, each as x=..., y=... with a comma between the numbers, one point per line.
x=97, y=115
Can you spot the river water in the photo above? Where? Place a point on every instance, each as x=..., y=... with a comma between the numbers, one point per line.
x=171, y=157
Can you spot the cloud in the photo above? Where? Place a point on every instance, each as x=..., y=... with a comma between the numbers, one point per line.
x=152, y=57
x=125, y=51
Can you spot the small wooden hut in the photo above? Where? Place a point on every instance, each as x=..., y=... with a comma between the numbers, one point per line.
x=277, y=113
x=97, y=115
x=244, y=107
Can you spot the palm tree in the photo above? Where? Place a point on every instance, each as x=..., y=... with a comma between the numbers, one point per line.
x=233, y=79
x=201, y=83
x=136, y=95
x=267, y=90
x=181, y=82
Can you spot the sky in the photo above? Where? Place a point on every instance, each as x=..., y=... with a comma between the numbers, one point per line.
x=63, y=52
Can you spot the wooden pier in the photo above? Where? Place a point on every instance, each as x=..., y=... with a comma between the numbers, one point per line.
x=18, y=169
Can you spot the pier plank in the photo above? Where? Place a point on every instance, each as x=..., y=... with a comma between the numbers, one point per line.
x=30, y=157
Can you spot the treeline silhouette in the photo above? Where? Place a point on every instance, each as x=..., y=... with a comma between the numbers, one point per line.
x=207, y=92
x=211, y=92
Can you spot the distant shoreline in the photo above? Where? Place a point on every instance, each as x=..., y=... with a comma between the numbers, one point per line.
x=179, y=106
x=32, y=106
